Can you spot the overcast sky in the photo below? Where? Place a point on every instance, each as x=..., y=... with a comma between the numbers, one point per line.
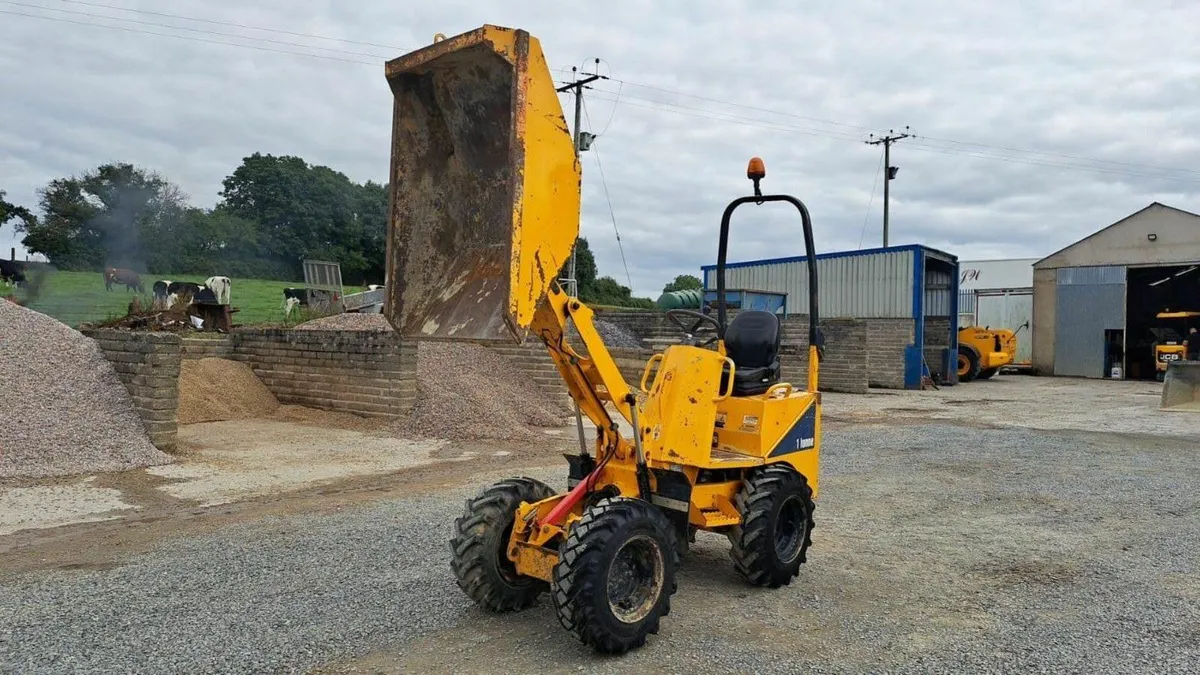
x=1108, y=91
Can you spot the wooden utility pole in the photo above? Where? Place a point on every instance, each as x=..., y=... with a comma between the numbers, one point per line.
x=889, y=171
x=577, y=87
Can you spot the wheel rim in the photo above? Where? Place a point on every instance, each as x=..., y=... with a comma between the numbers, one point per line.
x=963, y=365
x=506, y=567
x=790, y=529
x=635, y=579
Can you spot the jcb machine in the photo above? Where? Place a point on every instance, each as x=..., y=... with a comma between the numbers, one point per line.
x=485, y=196
x=982, y=352
x=1169, y=335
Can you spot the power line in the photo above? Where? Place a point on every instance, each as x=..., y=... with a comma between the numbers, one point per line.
x=924, y=145
x=184, y=28
x=182, y=37
x=612, y=214
x=230, y=24
x=870, y=202
x=916, y=145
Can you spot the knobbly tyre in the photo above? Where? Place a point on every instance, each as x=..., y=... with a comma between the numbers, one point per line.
x=484, y=212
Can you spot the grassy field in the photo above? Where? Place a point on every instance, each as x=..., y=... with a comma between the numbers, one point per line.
x=78, y=297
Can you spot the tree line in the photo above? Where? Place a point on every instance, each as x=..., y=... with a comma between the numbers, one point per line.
x=273, y=212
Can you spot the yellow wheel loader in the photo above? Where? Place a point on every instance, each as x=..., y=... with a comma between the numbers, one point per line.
x=485, y=198
x=1169, y=336
x=982, y=352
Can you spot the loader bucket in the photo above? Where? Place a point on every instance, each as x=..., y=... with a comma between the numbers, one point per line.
x=1181, y=387
x=484, y=187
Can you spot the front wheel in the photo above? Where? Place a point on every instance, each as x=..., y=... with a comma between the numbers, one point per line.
x=968, y=363
x=480, y=543
x=615, y=574
x=773, y=538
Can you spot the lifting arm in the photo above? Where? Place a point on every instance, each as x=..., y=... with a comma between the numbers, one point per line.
x=592, y=380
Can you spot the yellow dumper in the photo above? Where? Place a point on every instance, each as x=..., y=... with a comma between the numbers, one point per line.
x=485, y=201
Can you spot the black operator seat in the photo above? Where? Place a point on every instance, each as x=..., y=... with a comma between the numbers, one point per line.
x=752, y=341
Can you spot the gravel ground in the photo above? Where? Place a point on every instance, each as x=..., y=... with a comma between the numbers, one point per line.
x=65, y=410
x=347, y=321
x=937, y=549
x=469, y=392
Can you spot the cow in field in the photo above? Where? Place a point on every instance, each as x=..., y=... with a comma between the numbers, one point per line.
x=12, y=272
x=293, y=298
x=128, y=278
x=220, y=286
x=159, y=291
x=181, y=291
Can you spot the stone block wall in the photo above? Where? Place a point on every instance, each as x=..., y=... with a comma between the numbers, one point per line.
x=886, y=340
x=148, y=365
x=937, y=340
x=370, y=373
x=197, y=347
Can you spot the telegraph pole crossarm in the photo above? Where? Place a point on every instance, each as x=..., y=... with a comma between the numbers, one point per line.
x=576, y=87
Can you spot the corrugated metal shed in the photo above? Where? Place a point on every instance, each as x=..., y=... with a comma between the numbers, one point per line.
x=874, y=283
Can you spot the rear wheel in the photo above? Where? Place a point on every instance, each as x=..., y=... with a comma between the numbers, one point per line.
x=968, y=364
x=773, y=538
x=987, y=373
x=615, y=574
x=480, y=542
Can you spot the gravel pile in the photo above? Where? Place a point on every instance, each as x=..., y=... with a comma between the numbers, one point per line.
x=469, y=392
x=348, y=321
x=217, y=390
x=65, y=410
x=617, y=336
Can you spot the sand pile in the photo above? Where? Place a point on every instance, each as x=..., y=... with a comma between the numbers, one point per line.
x=64, y=410
x=218, y=390
x=469, y=392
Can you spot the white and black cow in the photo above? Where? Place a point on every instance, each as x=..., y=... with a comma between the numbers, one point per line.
x=293, y=298
x=220, y=286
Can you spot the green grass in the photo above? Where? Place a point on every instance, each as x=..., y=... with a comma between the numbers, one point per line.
x=79, y=297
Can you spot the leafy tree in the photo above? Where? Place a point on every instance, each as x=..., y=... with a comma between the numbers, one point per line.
x=309, y=211
x=113, y=215
x=684, y=282
x=9, y=211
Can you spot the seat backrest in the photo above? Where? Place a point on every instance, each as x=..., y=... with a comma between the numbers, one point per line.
x=752, y=339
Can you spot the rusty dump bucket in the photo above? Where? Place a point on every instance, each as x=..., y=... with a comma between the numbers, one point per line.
x=1181, y=387
x=484, y=187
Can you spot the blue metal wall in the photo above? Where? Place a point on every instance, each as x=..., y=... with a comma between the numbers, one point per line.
x=1089, y=301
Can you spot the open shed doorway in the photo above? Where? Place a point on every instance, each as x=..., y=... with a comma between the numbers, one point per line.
x=1149, y=292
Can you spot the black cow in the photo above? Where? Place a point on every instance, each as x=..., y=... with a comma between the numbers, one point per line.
x=13, y=272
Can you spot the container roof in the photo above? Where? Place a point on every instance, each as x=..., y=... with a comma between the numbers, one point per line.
x=932, y=252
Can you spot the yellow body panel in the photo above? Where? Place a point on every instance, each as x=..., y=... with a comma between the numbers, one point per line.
x=1165, y=354
x=997, y=347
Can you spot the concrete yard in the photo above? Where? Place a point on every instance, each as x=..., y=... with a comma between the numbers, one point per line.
x=1015, y=525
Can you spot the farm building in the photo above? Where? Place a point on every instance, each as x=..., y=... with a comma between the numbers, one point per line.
x=1096, y=303
x=908, y=295
x=999, y=294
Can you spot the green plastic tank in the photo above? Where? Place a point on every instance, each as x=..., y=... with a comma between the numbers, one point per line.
x=689, y=299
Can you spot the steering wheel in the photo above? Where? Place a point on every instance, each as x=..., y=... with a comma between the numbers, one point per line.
x=700, y=319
